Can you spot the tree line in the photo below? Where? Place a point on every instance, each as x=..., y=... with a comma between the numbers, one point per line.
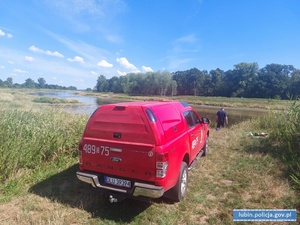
x=245, y=80
x=29, y=83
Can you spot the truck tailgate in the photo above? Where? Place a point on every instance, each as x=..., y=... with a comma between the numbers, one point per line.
x=124, y=159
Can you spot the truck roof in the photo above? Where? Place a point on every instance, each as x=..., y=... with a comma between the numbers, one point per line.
x=179, y=105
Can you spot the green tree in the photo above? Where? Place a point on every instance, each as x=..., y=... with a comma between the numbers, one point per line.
x=239, y=81
x=202, y=81
x=151, y=85
x=114, y=85
x=274, y=80
x=165, y=80
x=207, y=86
x=41, y=82
x=190, y=82
x=124, y=82
x=136, y=83
x=102, y=84
x=9, y=82
x=217, y=76
x=29, y=83
x=183, y=88
x=294, y=85
x=173, y=88
x=71, y=88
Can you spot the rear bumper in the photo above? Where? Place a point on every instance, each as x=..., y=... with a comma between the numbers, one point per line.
x=139, y=189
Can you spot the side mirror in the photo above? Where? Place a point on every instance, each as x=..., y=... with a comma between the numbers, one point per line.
x=205, y=120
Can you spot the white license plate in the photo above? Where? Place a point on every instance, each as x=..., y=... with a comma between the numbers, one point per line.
x=117, y=182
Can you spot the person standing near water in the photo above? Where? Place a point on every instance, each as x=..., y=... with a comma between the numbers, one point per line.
x=221, y=118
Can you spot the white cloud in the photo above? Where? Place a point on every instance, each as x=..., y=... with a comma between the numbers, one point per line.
x=2, y=34
x=89, y=52
x=104, y=63
x=29, y=59
x=185, y=51
x=57, y=54
x=76, y=59
x=127, y=65
x=35, y=49
x=46, y=52
x=147, y=69
x=114, y=38
x=186, y=44
x=121, y=73
x=176, y=63
x=47, y=67
x=187, y=39
x=10, y=62
x=94, y=73
x=20, y=71
x=2, y=67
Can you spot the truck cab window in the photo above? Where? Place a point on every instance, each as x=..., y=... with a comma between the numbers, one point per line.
x=189, y=118
x=195, y=117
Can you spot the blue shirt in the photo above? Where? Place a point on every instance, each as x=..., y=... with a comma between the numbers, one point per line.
x=221, y=116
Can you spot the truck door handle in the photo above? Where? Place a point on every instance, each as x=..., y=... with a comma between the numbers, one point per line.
x=192, y=135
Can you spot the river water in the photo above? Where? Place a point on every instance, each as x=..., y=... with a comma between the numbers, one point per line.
x=91, y=103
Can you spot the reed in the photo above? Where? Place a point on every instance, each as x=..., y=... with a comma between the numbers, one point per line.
x=31, y=138
x=54, y=100
x=284, y=139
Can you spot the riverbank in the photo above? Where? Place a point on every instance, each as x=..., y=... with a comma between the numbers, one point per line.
x=79, y=103
x=245, y=103
x=209, y=102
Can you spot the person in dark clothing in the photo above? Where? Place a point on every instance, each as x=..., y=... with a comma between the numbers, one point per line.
x=221, y=118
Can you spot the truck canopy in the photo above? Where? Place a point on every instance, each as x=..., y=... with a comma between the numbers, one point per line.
x=147, y=122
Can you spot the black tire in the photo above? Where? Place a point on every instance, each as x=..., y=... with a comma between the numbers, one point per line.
x=178, y=192
x=205, y=148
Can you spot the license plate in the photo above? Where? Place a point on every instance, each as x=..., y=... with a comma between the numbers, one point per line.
x=117, y=182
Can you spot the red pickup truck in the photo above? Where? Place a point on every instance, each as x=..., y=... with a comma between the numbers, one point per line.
x=142, y=149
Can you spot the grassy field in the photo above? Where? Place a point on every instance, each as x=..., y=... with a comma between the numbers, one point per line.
x=38, y=162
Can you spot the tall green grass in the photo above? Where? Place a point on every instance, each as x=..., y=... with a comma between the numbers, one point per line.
x=54, y=100
x=285, y=138
x=33, y=138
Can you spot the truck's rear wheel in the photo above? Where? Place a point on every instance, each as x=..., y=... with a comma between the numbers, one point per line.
x=178, y=192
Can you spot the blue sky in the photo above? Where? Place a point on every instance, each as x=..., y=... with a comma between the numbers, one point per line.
x=72, y=42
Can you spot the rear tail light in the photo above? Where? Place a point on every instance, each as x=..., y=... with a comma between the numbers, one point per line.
x=162, y=162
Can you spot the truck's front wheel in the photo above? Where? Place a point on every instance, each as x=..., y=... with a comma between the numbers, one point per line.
x=205, y=148
x=180, y=189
